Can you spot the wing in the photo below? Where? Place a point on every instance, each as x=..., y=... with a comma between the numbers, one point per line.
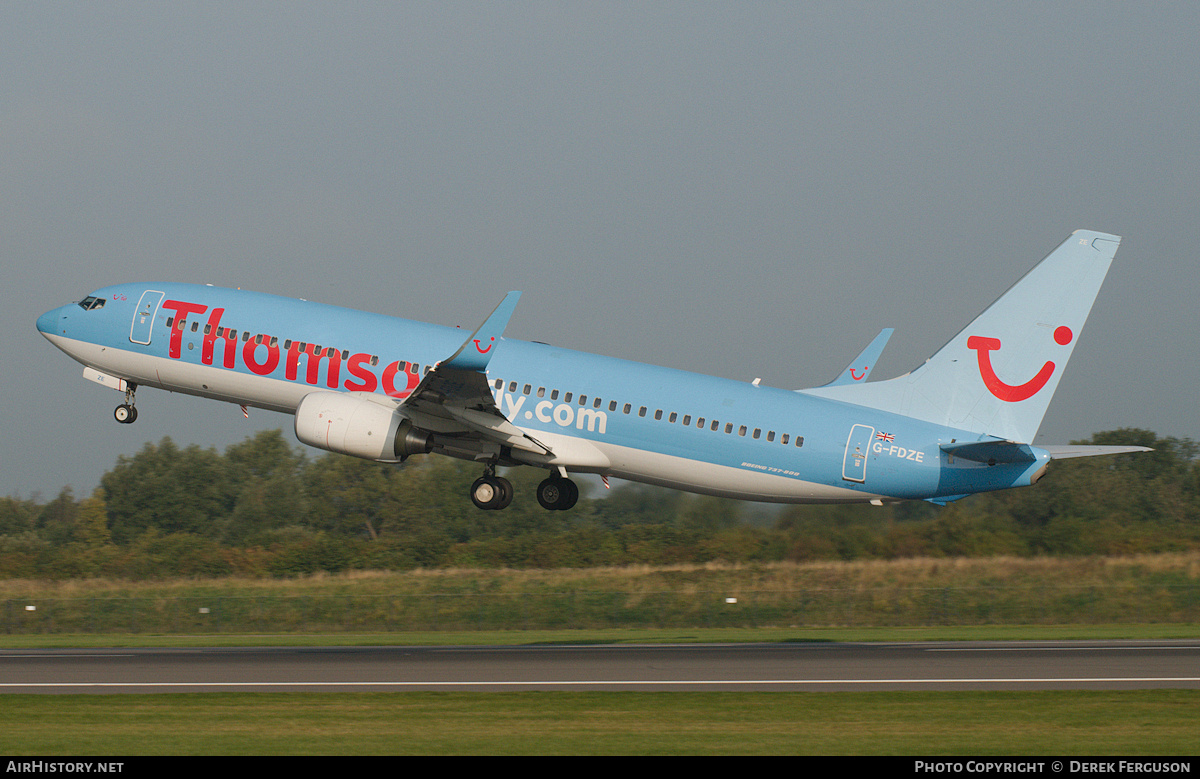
x=454, y=397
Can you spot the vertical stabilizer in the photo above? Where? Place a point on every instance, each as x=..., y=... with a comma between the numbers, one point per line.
x=996, y=377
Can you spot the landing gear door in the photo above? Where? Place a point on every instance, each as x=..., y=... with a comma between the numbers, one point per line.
x=143, y=317
x=854, y=464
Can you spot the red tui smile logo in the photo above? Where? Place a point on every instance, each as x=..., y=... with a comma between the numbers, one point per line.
x=1009, y=392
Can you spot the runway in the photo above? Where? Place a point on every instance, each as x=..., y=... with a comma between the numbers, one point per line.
x=1113, y=665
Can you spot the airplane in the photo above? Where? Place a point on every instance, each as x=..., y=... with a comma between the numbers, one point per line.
x=384, y=389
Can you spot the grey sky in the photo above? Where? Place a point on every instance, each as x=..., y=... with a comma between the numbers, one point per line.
x=742, y=189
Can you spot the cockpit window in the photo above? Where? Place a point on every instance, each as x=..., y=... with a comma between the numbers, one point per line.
x=91, y=303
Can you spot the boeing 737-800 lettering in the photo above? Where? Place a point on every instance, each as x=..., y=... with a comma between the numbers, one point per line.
x=384, y=389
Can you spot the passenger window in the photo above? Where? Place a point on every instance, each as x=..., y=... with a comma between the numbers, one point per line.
x=567, y=397
x=554, y=394
x=658, y=414
x=770, y=435
x=528, y=389
x=642, y=411
x=799, y=440
x=541, y=393
x=757, y=433
x=628, y=407
x=742, y=431
x=612, y=405
x=672, y=418
x=700, y=423
x=583, y=400
x=512, y=386
x=728, y=428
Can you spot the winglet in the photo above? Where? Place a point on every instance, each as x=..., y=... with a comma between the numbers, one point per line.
x=860, y=367
x=476, y=351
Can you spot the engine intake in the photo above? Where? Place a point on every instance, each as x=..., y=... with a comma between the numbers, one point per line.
x=349, y=423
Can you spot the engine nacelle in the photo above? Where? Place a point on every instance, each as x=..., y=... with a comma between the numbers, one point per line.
x=352, y=424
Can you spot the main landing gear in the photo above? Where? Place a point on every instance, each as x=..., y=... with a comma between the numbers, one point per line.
x=126, y=413
x=491, y=492
x=557, y=493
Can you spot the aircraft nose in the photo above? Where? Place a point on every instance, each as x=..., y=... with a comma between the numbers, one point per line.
x=48, y=323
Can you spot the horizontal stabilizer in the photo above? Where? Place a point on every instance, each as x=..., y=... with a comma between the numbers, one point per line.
x=1065, y=451
x=992, y=452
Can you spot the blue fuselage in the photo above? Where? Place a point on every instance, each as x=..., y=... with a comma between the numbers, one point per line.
x=650, y=424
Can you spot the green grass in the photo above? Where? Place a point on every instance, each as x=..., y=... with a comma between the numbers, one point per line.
x=614, y=636
x=1155, y=722
x=1144, y=722
x=1152, y=589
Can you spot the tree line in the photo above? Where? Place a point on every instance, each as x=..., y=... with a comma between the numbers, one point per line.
x=263, y=507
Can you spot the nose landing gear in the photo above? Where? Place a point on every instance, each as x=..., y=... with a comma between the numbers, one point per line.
x=126, y=413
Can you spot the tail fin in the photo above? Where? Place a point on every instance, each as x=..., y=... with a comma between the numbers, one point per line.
x=996, y=377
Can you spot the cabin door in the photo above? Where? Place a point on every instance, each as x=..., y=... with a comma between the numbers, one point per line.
x=143, y=317
x=854, y=464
